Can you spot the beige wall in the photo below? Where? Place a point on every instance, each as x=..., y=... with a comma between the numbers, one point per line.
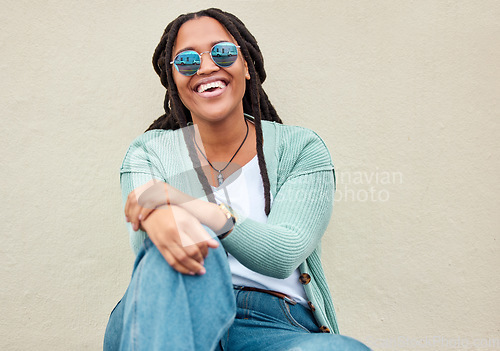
x=405, y=93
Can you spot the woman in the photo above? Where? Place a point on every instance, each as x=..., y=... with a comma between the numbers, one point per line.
x=219, y=168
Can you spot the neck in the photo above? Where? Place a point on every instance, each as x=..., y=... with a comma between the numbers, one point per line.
x=222, y=137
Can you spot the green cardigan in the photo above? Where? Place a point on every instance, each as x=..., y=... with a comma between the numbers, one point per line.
x=302, y=185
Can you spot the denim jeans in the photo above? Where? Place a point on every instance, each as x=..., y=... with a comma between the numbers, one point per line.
x=268, y=323
x=165, y=310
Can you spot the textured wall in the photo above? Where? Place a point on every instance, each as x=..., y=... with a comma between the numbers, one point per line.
x=405, y=93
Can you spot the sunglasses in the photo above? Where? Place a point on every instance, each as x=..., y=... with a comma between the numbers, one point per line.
x=223, y=54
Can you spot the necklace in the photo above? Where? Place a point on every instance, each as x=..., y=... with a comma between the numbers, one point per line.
x=220, y=177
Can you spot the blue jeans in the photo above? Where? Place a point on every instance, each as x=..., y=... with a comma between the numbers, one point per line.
x=165, y=310
x=267, y=323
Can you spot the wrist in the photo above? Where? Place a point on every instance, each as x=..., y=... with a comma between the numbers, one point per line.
x=230, y=221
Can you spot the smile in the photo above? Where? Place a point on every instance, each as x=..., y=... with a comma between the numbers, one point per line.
x=211, y=88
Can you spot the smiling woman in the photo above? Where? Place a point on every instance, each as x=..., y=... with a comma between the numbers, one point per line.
x=219, y=168
x=224, y=105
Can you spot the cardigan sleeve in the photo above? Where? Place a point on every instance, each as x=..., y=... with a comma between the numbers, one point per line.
x=139, y=166
x=157, y=154
x=299, y=215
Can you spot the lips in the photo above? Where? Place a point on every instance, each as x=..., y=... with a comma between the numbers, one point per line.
x=210, y=87
x=214, y=85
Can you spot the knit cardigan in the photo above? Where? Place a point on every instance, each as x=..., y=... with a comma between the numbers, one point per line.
x=302, y=185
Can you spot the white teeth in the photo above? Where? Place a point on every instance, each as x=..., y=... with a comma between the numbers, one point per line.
x=217, y=84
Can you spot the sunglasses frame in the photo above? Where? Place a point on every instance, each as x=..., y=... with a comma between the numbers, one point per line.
x=200, y=54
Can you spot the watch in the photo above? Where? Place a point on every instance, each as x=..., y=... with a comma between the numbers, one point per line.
x=229, y=225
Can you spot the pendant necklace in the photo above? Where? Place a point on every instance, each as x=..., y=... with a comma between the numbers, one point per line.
x=220, y=177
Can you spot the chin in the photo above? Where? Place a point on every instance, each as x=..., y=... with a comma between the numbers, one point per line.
x=216, y=113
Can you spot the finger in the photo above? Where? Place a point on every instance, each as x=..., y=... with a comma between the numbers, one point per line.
x=182, y=256
x=131, y=209
x=198, y=234
x=133, y=196
x=203, y=249
x=127, y=208
x=166, y=251
x=212, y=243
x=184, y=260
x=190, y=248
x=195, y=253
x=174, y=263
x=134, y=217
x=144, y=213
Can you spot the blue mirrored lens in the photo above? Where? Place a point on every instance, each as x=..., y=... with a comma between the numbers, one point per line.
x=187, y=62
x=224, y=54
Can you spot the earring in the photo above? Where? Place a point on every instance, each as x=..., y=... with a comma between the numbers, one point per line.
x=247, y=76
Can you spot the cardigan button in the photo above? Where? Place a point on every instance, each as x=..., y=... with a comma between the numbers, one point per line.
x=311, y=306
x=305, y=278
x=324, y=329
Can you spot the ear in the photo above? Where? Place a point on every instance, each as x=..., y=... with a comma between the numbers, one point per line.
x=247, y=74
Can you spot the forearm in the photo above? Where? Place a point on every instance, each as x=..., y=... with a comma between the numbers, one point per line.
x=147, y=198
x=161, y=193
x=207, y=213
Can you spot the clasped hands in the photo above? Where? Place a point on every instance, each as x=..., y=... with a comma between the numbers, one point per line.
x=173, y=221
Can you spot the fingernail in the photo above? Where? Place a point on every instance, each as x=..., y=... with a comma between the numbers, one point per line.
x=202, y=271
x=191, y=273
x=127, y=219
x=140, y=217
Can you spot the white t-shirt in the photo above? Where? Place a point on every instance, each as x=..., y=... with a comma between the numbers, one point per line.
x=244, y=192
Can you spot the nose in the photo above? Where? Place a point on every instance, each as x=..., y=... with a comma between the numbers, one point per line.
x=207, y=65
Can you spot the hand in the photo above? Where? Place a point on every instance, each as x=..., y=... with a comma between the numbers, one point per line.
x=142, y=201
x=180, y=238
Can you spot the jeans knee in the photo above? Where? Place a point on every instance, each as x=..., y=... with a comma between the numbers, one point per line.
x=329, y=342
x=352, y=344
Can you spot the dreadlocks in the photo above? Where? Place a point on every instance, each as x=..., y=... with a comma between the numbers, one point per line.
x=255, y=100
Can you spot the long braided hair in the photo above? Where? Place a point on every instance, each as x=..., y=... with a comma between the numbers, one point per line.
x=255, y=100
